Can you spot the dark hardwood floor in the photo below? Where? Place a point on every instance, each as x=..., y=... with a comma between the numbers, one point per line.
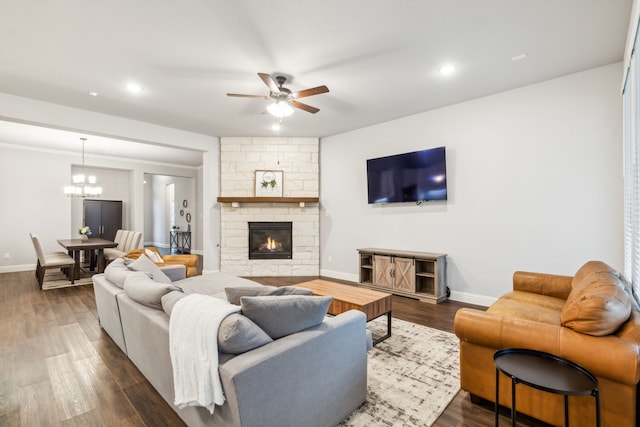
x=59, y=368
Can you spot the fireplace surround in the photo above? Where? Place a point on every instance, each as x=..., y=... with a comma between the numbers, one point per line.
x=270, y=240
x=298, y=158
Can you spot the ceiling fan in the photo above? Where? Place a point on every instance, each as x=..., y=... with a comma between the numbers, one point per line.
x=283, y=98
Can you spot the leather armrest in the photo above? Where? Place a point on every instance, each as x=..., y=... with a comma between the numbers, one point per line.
x=190, y=261
x=545, y=284
x=609, y=356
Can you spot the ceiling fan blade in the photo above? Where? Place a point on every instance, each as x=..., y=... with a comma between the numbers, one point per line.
x=309, y=92
x=271, y=84
x=305, y=107
x=248, y=96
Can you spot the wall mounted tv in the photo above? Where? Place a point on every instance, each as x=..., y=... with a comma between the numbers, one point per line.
x=408, y=177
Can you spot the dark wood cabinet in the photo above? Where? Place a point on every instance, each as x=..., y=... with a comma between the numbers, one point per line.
x=103, y=217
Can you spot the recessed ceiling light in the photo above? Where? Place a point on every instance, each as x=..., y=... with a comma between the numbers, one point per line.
x=519, y=57
x=275, y=127
x=93, y=93
x=134, y=88
x=448, y=69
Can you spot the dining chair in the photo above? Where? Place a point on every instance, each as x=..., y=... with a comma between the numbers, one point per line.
x=51, y=260
x=127, y=240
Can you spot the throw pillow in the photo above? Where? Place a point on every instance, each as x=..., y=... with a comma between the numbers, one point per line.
x=153, y=256
x=279, y=316
x=234, y=294
x=116, y=272
x=145, y=265
x=598, y=303
x=238, y=334
x=140, y=288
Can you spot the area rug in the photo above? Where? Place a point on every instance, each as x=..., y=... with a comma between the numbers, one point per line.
x=412, y=376
x=55, y=279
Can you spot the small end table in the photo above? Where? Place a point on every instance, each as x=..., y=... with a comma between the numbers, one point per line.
x=546, y=372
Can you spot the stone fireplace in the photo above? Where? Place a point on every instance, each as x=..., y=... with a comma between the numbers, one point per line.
x=270, y=240
x=297, y=158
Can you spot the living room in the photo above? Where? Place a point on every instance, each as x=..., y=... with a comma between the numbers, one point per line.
x=534, y=175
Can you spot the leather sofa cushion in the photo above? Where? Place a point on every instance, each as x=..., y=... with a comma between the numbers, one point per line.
x=599, y=302
x=529, y=306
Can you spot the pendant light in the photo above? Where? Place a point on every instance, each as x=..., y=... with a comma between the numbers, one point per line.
x=81, y=184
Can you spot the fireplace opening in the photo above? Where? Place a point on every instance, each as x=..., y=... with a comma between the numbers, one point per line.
x=270, y=240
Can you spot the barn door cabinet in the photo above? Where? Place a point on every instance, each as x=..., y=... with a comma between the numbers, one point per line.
x=420, y=275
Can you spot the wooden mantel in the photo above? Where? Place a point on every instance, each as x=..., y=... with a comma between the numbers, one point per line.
x=302, y=200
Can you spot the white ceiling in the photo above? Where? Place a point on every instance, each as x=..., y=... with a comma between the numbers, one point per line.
x=379, y=58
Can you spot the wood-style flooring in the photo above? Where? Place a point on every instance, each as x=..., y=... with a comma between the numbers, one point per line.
x=59, y=368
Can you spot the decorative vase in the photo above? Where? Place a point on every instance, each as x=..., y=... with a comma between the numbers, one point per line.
x=84, y=237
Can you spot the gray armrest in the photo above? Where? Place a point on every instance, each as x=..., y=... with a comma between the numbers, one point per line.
x=326, y=363
x=175, y=272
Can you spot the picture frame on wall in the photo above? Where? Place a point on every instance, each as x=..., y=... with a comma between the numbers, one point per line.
x=268, y=183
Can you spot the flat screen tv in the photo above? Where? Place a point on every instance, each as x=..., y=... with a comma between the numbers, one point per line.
x=408, y=177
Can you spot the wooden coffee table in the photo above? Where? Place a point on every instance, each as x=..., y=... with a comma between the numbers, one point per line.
x=346, y=297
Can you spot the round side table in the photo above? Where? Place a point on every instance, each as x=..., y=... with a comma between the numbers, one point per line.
x=546, y=372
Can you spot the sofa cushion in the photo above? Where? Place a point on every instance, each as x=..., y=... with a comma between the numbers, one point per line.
x=529, y=306
x=140, y=288
x=279, y=316
x=234, y=294
x=116, y=272
x=145, y=265
x=239, y=334
x=598, y=303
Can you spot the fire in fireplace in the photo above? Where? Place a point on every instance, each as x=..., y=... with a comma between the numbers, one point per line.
x=270, y=240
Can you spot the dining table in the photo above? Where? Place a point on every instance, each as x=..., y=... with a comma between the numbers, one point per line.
x=76, y=246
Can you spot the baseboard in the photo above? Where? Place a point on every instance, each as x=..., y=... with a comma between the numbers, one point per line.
x=339, y=275
x=157, y=245
x=472, y=298
x=17, y=268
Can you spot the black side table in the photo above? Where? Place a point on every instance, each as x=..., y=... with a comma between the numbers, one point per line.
x=546, y=372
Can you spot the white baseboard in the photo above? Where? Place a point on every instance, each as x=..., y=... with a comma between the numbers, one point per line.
x=17, y=268
x=472, y=298
x=339, y=275
x=157, y=245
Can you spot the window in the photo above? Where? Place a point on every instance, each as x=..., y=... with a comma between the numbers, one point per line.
x=631, y=167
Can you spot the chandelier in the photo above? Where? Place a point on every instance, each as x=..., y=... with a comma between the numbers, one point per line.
x=82, y=185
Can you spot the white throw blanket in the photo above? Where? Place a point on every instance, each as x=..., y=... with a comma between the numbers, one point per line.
x=193, y=345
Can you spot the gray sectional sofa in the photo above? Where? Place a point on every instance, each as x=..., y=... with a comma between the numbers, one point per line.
x=314, y=377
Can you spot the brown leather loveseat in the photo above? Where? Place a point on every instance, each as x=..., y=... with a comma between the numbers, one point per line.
x=590, y=318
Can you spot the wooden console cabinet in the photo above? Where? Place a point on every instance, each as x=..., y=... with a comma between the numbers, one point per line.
x=419, y=275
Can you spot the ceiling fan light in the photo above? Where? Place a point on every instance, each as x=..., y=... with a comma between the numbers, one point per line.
x=280, y=109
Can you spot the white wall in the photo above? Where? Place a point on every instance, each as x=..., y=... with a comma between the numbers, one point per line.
x=534, y=183
x=31, y=190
